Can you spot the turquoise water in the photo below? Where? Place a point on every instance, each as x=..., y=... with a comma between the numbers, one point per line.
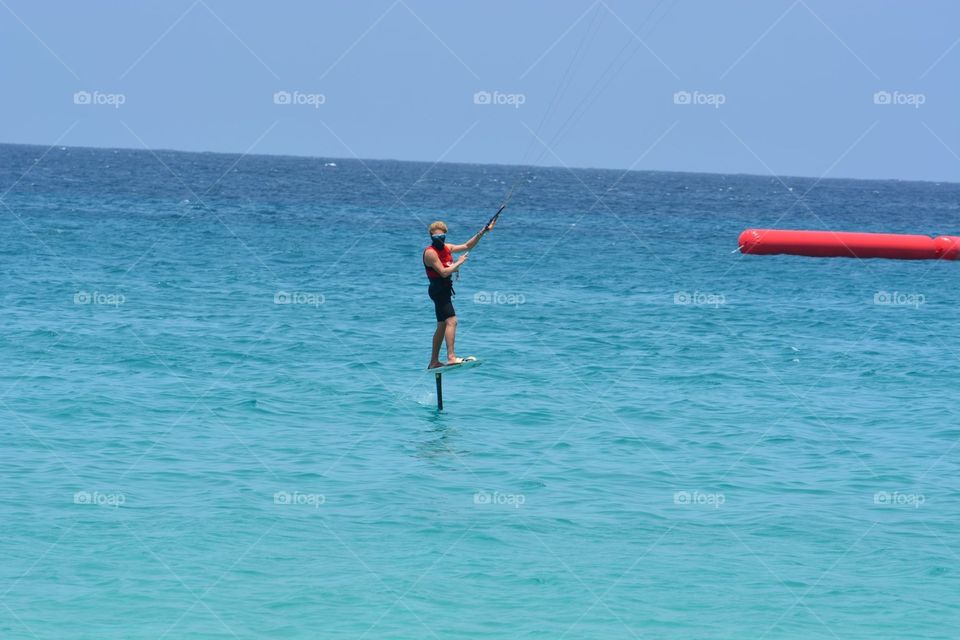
x=666, y=439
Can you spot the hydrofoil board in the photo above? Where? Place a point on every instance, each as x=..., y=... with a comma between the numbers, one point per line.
x=468, y=363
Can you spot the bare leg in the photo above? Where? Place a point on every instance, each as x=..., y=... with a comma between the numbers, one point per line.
x=451, y=336
x=437, y=339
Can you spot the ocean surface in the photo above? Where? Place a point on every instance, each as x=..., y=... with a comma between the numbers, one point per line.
x=215, y=420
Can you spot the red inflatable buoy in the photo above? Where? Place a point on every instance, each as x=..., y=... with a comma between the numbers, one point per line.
x=842, y=244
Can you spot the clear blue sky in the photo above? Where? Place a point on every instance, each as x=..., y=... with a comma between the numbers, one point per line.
x=796, y=80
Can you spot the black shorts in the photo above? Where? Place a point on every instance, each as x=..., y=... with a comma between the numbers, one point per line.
x=441, y=292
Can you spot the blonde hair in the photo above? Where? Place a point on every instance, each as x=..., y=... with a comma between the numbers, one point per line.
x=439, y=224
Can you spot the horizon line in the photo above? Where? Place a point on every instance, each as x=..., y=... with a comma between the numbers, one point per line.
x=489, y=164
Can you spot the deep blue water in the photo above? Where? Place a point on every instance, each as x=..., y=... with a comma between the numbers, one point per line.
x=666, y=439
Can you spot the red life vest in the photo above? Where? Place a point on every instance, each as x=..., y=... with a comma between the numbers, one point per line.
x=446, y=259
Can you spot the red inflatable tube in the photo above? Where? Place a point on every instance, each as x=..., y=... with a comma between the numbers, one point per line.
x=840, y=244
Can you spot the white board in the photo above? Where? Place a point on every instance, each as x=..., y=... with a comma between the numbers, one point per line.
x=468, y=363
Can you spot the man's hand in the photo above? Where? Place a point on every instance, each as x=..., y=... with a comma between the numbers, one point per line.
x=463, y=258
x=490, y=226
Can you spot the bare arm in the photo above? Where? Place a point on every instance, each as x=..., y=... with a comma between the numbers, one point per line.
x=470, y=244
x=432, y=260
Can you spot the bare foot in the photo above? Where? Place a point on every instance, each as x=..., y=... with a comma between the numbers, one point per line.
x=435, y=364
x=455, y=360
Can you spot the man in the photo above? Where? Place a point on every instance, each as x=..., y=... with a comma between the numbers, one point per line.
x=440, y=266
